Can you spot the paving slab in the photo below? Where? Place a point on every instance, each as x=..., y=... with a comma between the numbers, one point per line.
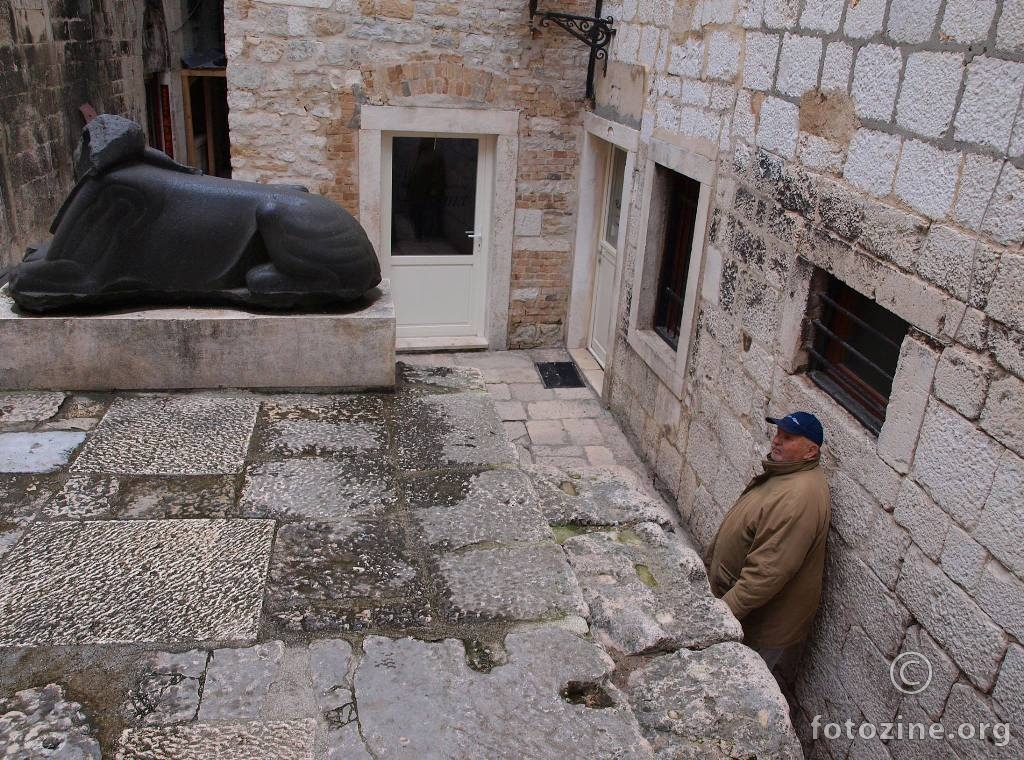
x=434, y=431
x=347, y=576
x=83, y=497
x=204, y=496
x=168, y=689
x=28, y=408
x=718, y=703
x=136, y=581
x=255, y=740
x=647, y=592
x=321, y=489
x=37, y=452
x=526, y=582
x=331, y=665
x=515, y=711
x=456, y=509
x=191, y=434
x=429, y=380
x=41, y=723
x=595, y=496
x=305, y=425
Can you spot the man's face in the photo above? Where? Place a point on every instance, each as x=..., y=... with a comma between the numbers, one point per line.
x=787, y=447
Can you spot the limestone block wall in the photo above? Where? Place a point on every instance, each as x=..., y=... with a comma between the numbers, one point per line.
x=54, y=57
x=880, y=141
x=299, y=71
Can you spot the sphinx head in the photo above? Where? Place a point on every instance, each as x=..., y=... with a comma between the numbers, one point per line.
x=106, y=141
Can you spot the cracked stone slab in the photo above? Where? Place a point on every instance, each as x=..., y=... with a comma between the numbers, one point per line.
x=321, y=489
x=171, y=435
x=511, y=583
x=595, y=496
x=271, y=681
x=84, y=496
x=135, y=581
x=718, y=703
x=456, y=509
x=456, y=429
x=28, y=408
x=205, y=496
x=347, y=576
x=254, y=740
x=21, y=496
x=514, y=711
x=41, y=723
x=422, y=379
x=37, y=452
x=168, y=690
x=647, y=592
x=331, y=664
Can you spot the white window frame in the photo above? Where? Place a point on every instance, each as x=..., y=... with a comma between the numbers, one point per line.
x=668, y=365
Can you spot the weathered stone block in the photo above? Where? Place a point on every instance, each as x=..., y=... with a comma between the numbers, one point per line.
x=931, y=83
x=278, y=740
x=968, y=20
x=927, y=178
x=955, y=463
x=876, y=75
x=907, y=403
x=1010, y=28
x=977, y=183
x=822, y=15
x=723, y=51
x=948, y=260
x=780, y=14
x=778, y=128
x=944, y=671
x=1003, y=415
x=40, y=722
x=1001, y=595
x=865, y=677
x=927, y=523
x=864, y=19
x=798, y=64
x=912, y=21
x=37, y=452
x=990, y=102
x=759, y=58
x=1007, y=292
x=835, y=73
x=961, y=380
x=953, y=618
x=871, y=161
x=1005, y=218
x=1009, y=690
x=963, y=559
x=1001, y=524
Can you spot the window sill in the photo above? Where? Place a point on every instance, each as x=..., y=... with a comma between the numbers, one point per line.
x=660, y=357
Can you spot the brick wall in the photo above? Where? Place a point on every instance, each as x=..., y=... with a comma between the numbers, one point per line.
x=881, y=142
x=55, y=56
x=299, y=73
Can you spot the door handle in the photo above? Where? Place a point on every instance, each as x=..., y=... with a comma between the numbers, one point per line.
x=472, y=234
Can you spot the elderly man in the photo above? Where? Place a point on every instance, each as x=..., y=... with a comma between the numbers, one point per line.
x=768, y=557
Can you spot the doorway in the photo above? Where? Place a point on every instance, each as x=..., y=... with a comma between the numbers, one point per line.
x=437, y=223
x=602, y=318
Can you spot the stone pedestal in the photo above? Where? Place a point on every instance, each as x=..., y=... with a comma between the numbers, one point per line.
x=166, y=348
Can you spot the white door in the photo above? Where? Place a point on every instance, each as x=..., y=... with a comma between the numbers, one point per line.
x=602, y=317
x=435, y=230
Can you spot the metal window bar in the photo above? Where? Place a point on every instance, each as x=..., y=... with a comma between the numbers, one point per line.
x=866, y=325
x=864, y=399
x=865, y=416
x=819, y=326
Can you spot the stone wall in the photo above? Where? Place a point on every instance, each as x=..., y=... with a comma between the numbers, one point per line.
x=54, y=57
x=881, y=142
x=299, y=71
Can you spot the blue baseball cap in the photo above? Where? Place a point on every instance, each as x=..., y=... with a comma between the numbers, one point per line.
x=800, y=423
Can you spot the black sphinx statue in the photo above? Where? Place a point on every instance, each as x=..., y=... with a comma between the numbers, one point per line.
x=141, y=229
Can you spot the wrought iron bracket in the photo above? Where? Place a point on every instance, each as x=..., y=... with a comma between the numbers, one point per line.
x=593, y=31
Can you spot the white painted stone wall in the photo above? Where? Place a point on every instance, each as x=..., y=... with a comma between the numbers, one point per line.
x=905, y=180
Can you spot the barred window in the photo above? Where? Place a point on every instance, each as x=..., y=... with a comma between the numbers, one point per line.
x=854, y=347
x=680, y=220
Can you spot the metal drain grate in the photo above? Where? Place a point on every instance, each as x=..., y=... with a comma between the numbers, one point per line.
x=560, y=375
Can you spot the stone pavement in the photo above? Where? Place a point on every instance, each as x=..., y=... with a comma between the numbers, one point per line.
x=471, y=567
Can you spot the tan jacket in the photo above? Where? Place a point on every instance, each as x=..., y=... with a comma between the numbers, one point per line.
x=769, y=554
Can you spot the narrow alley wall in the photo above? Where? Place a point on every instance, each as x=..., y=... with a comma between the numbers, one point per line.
x=54, y=57
x=299, y=72
x=880, y=142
